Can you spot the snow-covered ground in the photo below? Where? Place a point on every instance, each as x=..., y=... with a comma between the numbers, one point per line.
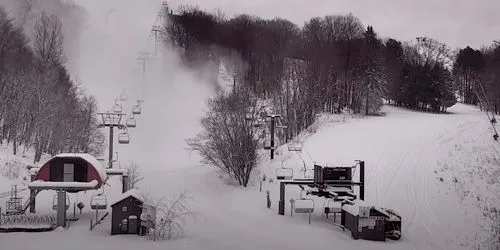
x=405, y=153
x=437, y=171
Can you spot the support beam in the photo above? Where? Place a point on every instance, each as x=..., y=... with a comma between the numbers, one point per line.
x=111, y=139
x=125, y=183
x=281, y=204
x=323, y=185
x=33, y=196
x=61, y=208
x=273, y=123
x=362, y=180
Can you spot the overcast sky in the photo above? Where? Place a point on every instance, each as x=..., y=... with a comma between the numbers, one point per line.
x=456, y=22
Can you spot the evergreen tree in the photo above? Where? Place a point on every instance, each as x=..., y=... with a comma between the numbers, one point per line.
x=373, y=78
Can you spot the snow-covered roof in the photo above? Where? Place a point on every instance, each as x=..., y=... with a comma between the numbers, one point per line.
x=116, y=171
x=63, y=185
x=90, y=159
x=354, y=209
x=130, y=193
x=33, y=171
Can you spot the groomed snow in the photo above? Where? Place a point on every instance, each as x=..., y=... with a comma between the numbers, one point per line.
x=237, y=218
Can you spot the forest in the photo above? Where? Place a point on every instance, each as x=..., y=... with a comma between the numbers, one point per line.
x=334, y=63
x=41, y=106
x=331, y=64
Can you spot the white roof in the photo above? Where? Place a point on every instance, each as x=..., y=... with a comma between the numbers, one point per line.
x=354, y=209
x=116, y=171
x=90, y=159
x=131, y=193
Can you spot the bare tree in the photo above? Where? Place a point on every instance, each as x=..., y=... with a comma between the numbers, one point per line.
x=134, y=174
x=48, y=41
x=171, y=216
x=230, y=140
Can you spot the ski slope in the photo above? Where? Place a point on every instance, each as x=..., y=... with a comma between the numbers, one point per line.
x=435, y=170
x=405, y=152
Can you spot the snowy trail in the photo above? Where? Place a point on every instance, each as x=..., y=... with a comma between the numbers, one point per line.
x=402, y=152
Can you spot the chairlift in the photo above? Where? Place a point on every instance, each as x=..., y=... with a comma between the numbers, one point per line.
x=295, y=146
x=123, y=97
x=99, y=140
x=124, y=138
x=54, y=202
x=131, y=123
x=267, y=144
x=284, y=173
x=257, y=125
x=330, y=208
x=136, y=109
x=281, y=125
x=117, y=108
x=304, y=206
x=98, y=202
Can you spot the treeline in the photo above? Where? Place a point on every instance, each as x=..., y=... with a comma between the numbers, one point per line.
x=477, y=74
x=330, y=64
x=41, y=107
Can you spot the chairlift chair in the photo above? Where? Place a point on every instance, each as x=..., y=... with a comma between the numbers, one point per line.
x=284, y=173
x=117, y=108
x=98, y=202
x=131, y=123
x=295, y=146
x=54, y=202
x=280, y=124
x=124, y=138
x=123, y=97
x=267, y=144
x=99, y=140
x=136, y=109
x=304, y=206
x=329, y=208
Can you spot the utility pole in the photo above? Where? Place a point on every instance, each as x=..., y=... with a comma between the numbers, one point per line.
x=111, y=120
x=272, y=147
x=156, y=30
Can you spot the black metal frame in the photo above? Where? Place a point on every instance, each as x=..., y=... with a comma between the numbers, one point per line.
x=321, y=185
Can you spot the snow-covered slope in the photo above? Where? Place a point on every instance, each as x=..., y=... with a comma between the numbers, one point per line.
x=405, y=153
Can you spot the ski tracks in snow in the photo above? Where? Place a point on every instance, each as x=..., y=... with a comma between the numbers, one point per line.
x=377, y=174
x=393, y=176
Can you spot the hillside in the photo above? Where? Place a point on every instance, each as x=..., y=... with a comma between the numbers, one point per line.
x=404, y=167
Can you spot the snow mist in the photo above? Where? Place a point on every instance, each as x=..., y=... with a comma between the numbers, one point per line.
x=114, y=34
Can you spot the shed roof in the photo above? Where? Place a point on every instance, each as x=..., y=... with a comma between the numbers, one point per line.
x=130, y=193
x=354, y=209
x=88, y=158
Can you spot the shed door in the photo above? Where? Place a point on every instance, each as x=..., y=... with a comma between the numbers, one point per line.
x=124, y=226
x=69, y=172
x=132, y=224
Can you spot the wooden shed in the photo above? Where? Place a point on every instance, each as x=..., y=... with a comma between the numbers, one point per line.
x=80, y=169
x=126, y=213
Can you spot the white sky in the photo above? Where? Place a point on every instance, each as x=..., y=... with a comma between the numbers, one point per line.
x=457, y=22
